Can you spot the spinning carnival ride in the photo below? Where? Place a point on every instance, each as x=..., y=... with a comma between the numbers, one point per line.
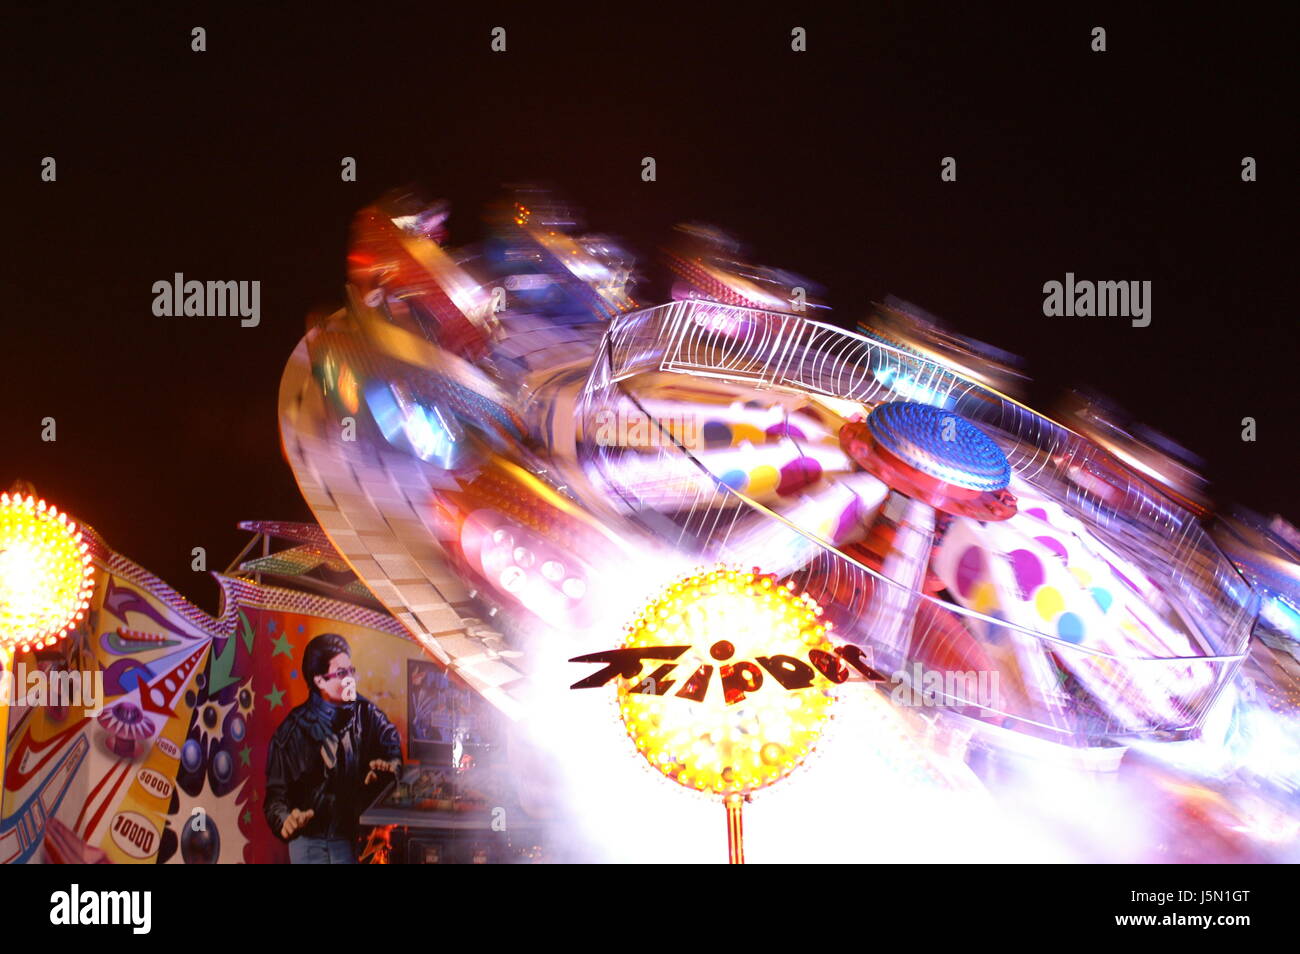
x=513, y=456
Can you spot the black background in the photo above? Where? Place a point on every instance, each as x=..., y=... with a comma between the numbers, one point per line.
x=1064, y=900
x=225, y=165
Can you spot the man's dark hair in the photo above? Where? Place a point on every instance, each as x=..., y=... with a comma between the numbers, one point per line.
x=316, y=657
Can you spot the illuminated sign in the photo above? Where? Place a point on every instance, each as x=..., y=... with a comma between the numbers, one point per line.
x=737, y=678
x=731, y=735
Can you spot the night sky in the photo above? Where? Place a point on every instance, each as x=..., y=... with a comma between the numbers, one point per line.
x=224, y=165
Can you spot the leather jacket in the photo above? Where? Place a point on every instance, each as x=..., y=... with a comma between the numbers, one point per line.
x=318, y=759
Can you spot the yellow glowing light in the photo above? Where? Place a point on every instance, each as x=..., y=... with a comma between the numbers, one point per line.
x=729, y=618
x=46, y=576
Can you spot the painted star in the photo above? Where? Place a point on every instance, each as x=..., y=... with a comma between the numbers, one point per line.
x=282, y=645
x=275, y=697
x=244, y=753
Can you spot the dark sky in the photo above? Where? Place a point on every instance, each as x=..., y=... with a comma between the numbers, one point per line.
x=225, y=165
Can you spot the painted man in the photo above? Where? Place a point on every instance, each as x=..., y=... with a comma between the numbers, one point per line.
x=323, y=758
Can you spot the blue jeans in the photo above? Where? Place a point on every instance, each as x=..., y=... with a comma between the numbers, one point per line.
x=306, y=850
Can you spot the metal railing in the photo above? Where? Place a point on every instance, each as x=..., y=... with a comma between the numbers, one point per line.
x=1049, y=686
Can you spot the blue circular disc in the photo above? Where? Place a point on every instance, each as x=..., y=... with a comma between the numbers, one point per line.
x=223, y=766
x=940, y=443
x=191, y=755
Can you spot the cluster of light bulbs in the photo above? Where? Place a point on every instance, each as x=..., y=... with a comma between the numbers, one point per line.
x=711, y=745
x=46, y=574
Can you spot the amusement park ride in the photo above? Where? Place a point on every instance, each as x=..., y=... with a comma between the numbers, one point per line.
x=723, y=524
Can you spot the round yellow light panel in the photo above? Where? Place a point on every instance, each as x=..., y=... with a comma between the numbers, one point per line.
x=741, y=708
x=46, y=576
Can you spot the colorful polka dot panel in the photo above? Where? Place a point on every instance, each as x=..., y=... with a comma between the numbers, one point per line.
x=706, y=424
x=1037, y=575
x=776, y=471
x=1129, y=598
x=1015, y=571
x=1025, y=580
x=1047, y=522
x=838, y=511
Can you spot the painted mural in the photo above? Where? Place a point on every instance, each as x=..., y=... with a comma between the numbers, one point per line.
x=162, y=759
